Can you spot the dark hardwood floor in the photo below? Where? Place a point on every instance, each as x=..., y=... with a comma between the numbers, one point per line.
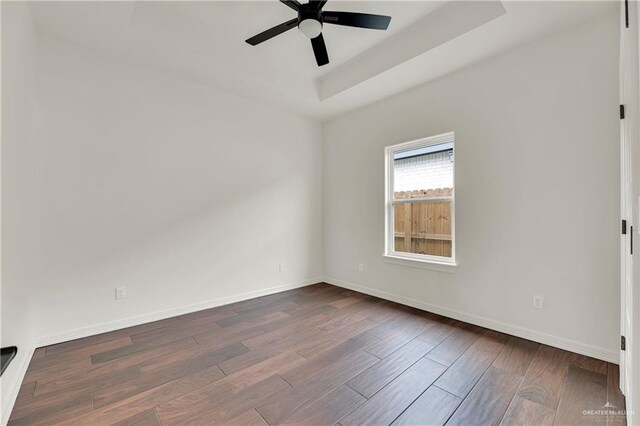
x=319, y=355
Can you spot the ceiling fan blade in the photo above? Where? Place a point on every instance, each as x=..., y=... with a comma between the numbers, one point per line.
x=272, y=32
x=320, y=50
x=361, y=20
x=317, y=4
x=293, y=4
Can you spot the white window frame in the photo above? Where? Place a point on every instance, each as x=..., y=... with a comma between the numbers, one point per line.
x=413, y=259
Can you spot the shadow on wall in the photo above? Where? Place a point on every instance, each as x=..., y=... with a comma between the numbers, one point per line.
x=160, y=184
x=223, y=250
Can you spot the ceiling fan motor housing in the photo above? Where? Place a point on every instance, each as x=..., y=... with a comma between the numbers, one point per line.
x=309, y=21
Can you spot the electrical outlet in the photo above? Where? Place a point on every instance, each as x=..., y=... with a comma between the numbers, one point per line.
x=280, y=267
x=360, y=267
x=121, y=293
x=538, y=302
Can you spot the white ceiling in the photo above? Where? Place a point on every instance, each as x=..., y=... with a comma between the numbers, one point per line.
x=204, y=42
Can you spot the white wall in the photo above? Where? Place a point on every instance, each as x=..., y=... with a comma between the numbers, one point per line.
x=537, y=204
x=18, y=237
x=182, y=193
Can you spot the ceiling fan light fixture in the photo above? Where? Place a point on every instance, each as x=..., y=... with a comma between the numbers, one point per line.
x=310, y=27
x=310, y=20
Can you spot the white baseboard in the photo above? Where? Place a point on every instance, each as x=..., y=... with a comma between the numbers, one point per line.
x=525, y=333
x=167, y=313
x=15, y=388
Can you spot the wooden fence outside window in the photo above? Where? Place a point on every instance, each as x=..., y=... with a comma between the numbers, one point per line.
x=423, y=227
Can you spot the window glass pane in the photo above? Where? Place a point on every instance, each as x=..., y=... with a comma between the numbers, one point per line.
x=423, y=227
x=424, y=168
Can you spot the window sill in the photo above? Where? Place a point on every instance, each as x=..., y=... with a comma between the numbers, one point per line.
x=450, y=267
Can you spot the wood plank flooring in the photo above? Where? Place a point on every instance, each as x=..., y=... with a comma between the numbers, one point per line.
x=318, y=355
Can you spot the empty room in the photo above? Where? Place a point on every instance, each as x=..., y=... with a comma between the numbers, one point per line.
x=320, y=212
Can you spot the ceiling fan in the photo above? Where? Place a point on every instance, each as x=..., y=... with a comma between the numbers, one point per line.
x=309, y=22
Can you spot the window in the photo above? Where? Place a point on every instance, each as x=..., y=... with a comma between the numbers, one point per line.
x=420, y=203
